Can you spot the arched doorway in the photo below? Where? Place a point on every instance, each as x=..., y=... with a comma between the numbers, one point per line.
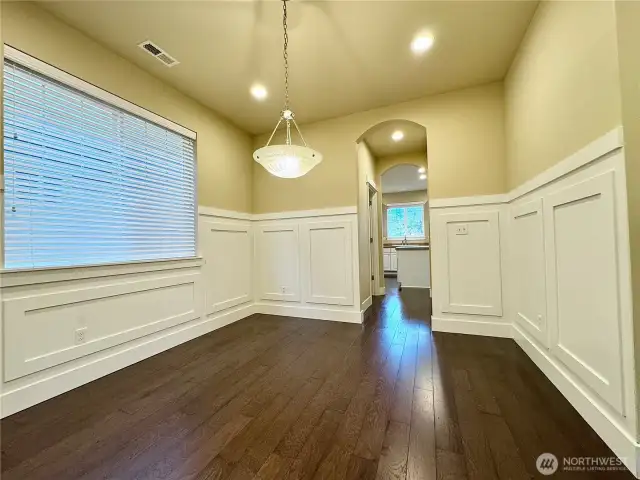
x=392, y=170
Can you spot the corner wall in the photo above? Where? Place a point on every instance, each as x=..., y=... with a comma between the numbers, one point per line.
x=366, y=175
x=562, y=90
x=223, y=150
x=628, y=19
x=548, y=265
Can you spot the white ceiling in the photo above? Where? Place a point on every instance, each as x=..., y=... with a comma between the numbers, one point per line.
x=345, y=56
x=378, y=138
x=402, y=178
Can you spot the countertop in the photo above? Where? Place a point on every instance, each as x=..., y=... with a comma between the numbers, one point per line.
x=412, y=247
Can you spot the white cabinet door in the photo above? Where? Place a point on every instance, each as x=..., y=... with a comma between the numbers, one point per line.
x=386, y=261
x=394, y=261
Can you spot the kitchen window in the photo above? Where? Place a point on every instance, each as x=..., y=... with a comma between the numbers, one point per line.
x=88, y=177
x=405, y=221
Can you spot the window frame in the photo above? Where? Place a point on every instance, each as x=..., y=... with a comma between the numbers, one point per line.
x=404, y=205
x=56, y=74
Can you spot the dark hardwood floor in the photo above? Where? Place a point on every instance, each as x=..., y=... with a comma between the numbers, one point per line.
x=285, y=398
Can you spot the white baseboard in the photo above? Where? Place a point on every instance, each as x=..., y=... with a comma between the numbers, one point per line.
x=603, y=422
x=316, y=313
x=472, y=327
x=366, y=304
x=381, y=291
x=106, y=362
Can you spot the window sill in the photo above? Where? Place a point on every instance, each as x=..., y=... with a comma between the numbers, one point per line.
x=19, y=277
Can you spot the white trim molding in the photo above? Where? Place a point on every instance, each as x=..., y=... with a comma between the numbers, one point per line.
x=606, y=425
x=323, y=212
x=365, y=305
x=468, y=201
x=470, y=327
x=221, y=213
x=103, y=363
x=304, y=311
x=600, y=147
x=293, y=214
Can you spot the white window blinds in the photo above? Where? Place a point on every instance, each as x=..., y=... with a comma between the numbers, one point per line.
x=89, y=183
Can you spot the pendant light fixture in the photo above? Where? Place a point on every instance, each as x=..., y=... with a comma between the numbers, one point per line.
x=288, y=160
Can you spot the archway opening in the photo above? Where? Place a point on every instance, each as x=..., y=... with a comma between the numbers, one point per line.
x=393, y=203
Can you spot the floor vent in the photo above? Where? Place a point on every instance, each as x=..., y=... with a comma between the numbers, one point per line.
x=158, y=53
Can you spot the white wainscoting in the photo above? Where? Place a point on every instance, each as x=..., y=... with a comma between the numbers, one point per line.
x=583, y=243
x=125, y=318
x=278, y=262
x=41, y=326
x=328, y=262
x=582, y=274
x=294, y=263
x=227, y=248
x=467, y=269
x=565, y=282
x=527, y=262
x=307, y=266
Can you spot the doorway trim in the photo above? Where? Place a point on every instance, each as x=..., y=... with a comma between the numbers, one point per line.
x=373, y=220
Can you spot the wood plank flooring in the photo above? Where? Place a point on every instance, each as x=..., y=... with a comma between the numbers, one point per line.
x=285, y=398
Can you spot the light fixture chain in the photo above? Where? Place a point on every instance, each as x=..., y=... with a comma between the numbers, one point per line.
x=285, y=55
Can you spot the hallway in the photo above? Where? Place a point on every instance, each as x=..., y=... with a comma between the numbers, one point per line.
x=286, y=398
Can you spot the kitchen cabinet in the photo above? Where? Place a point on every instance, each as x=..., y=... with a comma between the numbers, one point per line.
x=390, y=259
x=414, y=266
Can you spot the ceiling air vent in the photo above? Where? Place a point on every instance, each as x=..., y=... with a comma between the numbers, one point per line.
x=158, y=53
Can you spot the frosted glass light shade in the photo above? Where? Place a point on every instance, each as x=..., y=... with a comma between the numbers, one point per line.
x=287, y=161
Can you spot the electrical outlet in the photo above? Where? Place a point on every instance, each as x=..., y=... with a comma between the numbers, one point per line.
x=81, y=335
x=283, y=290
x=462, y=229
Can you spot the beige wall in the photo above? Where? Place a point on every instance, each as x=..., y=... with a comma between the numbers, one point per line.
x=405, y=197
x=224, y=151
x=628, y=19
x=418, y=159
x=562, y=91
x=465, y=138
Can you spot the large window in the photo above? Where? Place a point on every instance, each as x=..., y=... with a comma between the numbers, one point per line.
x=87, y=182
x=405, y=221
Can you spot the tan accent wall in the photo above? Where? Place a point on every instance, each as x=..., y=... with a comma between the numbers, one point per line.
x=223, y=150
x=419, y=159
x=628, y=20
x=405, y=197
x=466, y=145
x=562, y=90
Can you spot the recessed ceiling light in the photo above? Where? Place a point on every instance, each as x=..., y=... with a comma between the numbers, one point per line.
x=423, y=177
x=397, y=136
x=259, y=92
x=422, y=170
x=421, y=43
